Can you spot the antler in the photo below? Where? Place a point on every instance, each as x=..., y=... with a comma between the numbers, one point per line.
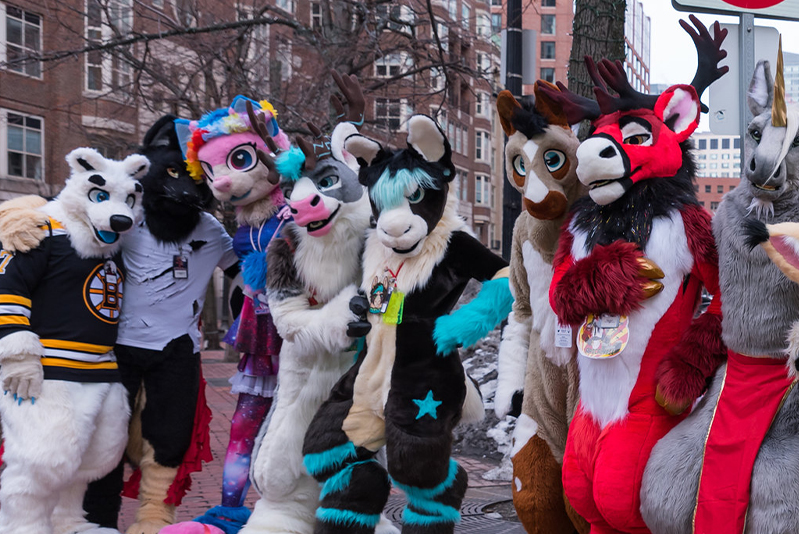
x=351, y=89
x=258, y=124
x=708, y=52
x=628, y=98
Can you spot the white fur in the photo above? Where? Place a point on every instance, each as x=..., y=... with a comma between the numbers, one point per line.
x=511, y=362
x=473, y=409
x=592, y=168
x=399, y=228
x=539, y=277
x=525, y=429
x=763, y=208
x=605, y=385
x=20, y=345
x=425, y=137
x=81, y=216
x=534, y=189
x=73, y=434
x=362, y=147
x=758, y=90
x=340, y=134
x=606, y=194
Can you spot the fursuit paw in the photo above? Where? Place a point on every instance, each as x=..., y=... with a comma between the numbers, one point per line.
x=150, y=526
x=359, y=306
x=22, y=378
x=21, y=223
x=613, y=279
x=228, y=519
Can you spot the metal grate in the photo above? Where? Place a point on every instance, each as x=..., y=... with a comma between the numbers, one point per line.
x=473, y=519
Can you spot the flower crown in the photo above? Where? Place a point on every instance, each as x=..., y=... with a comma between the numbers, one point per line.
x=192, y=135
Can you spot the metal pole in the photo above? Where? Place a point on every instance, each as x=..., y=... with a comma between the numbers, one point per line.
x=511, y=199
x=746, y=66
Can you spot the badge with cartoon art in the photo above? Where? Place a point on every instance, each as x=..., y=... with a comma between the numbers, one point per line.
x=604, y=336
x=379, y=295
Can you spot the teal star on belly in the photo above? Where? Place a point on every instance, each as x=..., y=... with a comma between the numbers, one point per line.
x=427, y=406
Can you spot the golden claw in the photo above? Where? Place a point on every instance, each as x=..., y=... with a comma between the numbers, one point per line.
x=651, y=288
x=649, y=269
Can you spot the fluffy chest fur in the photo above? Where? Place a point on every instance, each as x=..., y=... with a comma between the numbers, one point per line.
x=759, y=304
x=605, y=385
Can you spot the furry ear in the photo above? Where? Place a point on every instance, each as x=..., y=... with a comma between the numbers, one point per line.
x=506, y=107
x=761, y=89
x=85, y=159
x=363, y=148
x=136, y=165
x=341, y=132
x=547, y=107
x=426, y=138
x=679, y=109
x=183, y=132
x=161, y=134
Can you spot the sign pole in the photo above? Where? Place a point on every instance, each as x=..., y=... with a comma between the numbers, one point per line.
x=746, y=66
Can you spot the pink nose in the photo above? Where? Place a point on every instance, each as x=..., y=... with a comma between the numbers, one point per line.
x=222, y=184
x=309, y=209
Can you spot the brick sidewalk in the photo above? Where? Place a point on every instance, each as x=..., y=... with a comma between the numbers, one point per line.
x=206, y=490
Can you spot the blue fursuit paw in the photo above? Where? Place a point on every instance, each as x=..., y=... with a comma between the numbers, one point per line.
x=228, y=518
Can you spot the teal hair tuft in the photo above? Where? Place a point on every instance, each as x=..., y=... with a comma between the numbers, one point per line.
x=289, y=163
x=391, y=188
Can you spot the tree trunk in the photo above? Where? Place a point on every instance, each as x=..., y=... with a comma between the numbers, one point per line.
x=598, y=31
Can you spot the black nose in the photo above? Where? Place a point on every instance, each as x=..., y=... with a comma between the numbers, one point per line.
x=608, y=153
x=315, y=200
x=120, y=223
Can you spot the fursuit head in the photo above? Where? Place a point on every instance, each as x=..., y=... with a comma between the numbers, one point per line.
x=223, y=146
x=173, y=199
x=101, y=199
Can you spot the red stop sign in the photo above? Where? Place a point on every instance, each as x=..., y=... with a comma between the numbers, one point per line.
x=753, y=4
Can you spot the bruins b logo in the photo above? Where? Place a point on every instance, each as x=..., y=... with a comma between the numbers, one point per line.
x=102, y=292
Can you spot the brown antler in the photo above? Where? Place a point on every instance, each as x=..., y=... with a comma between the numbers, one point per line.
x=307, y=149
x=708, y=52
x=258, y=124
x=351, y=89
x=576, y=108
x=628, y=98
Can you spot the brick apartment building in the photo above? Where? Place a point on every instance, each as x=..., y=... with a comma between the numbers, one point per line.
x=718, y=159
x=103, y=100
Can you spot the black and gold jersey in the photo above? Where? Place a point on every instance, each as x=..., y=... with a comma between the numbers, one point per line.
x=71, y=303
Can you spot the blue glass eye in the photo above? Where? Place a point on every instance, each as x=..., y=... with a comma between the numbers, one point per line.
x=98, y=195
x=328, y=181
x=242, y=158
x=554, y=159
x=416, y=196
x=518, y=166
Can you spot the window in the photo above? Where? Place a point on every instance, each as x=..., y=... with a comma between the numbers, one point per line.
x=391, y=14
x=481, y=104
x=736, y=143
x=547, y=49
x=725, y=165
x=719, y=189
x=725, y=144
x=714, y=205
x=725, y=156
x=714, y=156
x=452, y=7
x=696, y=188
x=483, y=24
x=702, y=156
x=732, y=187
x=104, y=22
x=285, y=5
x=496, y=22
x=443, y=35
x=548, y=24
x=496, y=2
x=388, y=112
x=702, y=166
x=714, y=144
x=478, y=189
x=437, y=79
x=703, y=144
x=316, y=16
x=483, y=62
x=481, y=146
x=714, y=165
x=390, y=65
x=257, y=63
x=707, y=189
x=548, y=74
x=548, y=3
x=158, y=3
x=736, y=165
x=466, y=15
x=23, y=38
x=23, y=148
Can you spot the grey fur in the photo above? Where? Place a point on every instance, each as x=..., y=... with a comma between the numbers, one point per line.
x=760, y=305
x=282, y=281
x=349, y=190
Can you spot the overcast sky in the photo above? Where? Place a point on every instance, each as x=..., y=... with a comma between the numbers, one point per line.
x=673, y=57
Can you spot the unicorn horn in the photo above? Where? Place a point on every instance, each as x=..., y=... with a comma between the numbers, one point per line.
x=779, y=109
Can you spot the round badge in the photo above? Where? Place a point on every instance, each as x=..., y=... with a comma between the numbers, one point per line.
x=102, y=293
x=603, y=336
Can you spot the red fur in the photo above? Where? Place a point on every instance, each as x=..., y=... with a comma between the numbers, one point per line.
x=702, y=245
x=606, y=281
x=565, y=242
x=682, y=374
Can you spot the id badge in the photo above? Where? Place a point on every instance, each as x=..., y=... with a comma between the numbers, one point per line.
x=110, y=273
x=180, y=266
x=603, y=337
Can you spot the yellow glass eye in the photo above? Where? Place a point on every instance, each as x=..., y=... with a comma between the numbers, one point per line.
x=171, y=171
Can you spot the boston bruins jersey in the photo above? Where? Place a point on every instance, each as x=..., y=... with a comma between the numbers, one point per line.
x=71, y=303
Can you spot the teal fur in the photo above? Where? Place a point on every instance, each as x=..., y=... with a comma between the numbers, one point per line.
x=472, y=322
x=409, y=517
x=289, y=163
x=347, y=517
x=390, y=189
x=415, y=495
x=319, y=462
x=337, y=482
x=253, y=270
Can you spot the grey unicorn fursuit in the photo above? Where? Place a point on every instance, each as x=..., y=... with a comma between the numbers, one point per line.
x=731, y=466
